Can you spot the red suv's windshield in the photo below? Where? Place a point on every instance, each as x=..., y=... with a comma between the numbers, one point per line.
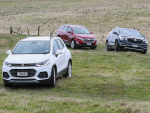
x=80, y=30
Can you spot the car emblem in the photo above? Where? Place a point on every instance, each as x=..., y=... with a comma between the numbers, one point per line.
x=22, y=65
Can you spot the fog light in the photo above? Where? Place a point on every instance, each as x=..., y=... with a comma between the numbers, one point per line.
x=5, y=75
x=43, y=75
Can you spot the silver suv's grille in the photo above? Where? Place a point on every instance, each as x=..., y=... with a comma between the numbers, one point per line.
x=136, y=41
x=22, y=65
x=88, y=40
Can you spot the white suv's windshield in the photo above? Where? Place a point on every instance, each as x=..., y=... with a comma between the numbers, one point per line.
x=80, y=30
x=32, y=47
x=130, y=32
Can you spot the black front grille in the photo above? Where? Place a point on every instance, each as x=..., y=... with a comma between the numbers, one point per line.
x=135, y=41
x=22, y=65
x=31, y=72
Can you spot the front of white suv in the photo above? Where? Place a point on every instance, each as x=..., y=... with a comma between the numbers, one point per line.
x=37, y=60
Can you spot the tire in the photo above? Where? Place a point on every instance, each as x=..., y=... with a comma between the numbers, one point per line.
x=73, y=44
x=7, y=85
x=106, y=47
x=93, y=47
x=144, y=52
x=116, y=46
x=69, y=70
x=53, y=78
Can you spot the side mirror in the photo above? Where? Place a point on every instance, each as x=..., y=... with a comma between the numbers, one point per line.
x=91, y=32
x=144, y=36
x=8, y=52
x=115, y=33
x=58, y=52
x=69, y=31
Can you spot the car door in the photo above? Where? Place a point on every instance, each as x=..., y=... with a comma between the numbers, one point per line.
x=69, y=35
x=59, y=59
x=113, y=37
x=63, y=55
x=64, y=33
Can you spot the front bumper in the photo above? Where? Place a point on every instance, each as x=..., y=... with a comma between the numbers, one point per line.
x=27, y=80
x=132, y=46
x=80, y=43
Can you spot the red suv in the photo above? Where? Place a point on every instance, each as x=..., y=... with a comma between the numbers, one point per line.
x=77, y=36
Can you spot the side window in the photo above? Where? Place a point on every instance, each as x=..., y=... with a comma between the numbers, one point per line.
x=114, y=30
x=65, y=28
x=69, y=29
x=55, y=47
x=60, y=44
x=117, y=30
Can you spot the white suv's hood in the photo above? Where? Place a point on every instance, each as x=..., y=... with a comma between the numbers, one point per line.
x=26, y=58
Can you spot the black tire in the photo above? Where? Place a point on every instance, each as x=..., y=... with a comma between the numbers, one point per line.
x=144, y=52
x=53, y=78
x=116, y=46
x=73, y=44
x=106, y=47
x=93, y=47
x=7, y=85
x=69, y=70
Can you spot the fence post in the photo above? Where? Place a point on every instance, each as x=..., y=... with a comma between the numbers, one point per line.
x=10, y=29
x=38, y=30
x=28, y=31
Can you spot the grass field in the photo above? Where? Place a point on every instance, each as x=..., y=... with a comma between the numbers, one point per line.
x=101, y=81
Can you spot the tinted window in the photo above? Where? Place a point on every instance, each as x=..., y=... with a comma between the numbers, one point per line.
x=65, y=28
x=60, y=44
x=55, y=47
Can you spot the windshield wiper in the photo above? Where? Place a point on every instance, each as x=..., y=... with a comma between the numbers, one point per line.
x=45, y=53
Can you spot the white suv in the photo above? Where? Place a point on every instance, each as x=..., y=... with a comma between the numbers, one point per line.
x=37, y=60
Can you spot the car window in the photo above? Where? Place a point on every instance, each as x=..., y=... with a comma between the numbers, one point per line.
x=55, y=47
x=65, y=28
x=69, y=29
x=114, y=30
x=32, y=47
x=60, y=44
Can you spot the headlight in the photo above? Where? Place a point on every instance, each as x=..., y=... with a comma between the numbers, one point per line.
x=45, y=63
x=7, y=64
x=123, y=38
x=145, y=41
x=95, y=39
x=79, y=38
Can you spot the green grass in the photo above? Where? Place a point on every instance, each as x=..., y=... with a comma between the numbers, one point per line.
x=101, y=82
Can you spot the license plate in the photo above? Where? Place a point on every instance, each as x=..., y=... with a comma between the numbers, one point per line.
x=134, y=45
x=22, y=74
x=88, y=44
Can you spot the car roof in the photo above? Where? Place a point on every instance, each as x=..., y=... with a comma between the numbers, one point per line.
x=74, y=25
x=45, y=38
x=126, y=28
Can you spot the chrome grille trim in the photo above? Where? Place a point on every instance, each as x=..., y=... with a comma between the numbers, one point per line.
x=135, y=41
x=88, y=40
x=23, y=65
